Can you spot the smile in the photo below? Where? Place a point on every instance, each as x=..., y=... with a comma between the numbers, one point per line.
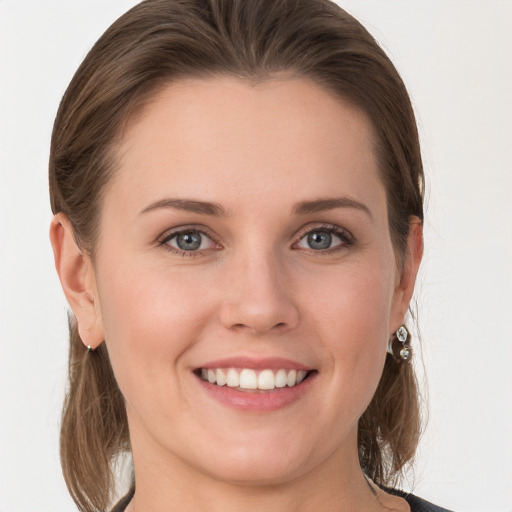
x=249, y=379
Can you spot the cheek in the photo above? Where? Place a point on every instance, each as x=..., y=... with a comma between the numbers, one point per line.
x=150, y=319
x=350, y=317
x=354, y=301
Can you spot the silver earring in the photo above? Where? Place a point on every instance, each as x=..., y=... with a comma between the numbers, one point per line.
x=405, y=351
x=89, y=348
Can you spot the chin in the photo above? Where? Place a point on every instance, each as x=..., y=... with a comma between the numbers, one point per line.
x=257, y=464
x=253, y=473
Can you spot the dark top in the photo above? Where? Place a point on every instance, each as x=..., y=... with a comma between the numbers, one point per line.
x=416, y=504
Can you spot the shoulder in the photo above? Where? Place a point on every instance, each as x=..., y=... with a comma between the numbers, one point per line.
x=417, y=504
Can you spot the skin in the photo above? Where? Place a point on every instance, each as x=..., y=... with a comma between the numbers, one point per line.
x=255, y=289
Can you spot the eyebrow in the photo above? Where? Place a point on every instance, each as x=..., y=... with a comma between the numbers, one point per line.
x=216, y=210
x=322, y=205
x=189, y=205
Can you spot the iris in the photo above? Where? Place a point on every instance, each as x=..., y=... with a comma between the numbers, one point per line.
x=319, y=240
x=189, y=240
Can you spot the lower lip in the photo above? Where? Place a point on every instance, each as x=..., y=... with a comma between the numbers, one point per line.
x=257, y=401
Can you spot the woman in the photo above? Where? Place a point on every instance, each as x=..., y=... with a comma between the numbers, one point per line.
x=237, y=190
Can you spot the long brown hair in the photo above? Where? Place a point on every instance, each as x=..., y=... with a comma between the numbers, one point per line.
x=160, y=41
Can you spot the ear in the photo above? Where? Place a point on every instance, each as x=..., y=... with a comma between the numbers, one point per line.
x=405, y=285
x=76, y=274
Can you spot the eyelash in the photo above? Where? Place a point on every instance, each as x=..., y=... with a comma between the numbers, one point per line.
x=347, y=239
x=164, y=239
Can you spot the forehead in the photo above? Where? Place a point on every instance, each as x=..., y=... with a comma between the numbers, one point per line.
x=225, y=137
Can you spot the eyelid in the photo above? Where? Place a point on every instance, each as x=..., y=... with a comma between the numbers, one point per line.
x=344, y=234
x=169, y=234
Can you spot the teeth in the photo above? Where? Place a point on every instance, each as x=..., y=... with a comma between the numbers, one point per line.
x=291, y=380
x=280, y=380
x=250, y=379
x=301, y=375
x=221, y=378
x=266, y=380
x=233, y=379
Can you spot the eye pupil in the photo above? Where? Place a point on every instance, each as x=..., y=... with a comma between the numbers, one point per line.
x=189, y=241
x=319, y=240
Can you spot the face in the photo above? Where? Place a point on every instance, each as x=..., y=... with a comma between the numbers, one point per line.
x=245, y=280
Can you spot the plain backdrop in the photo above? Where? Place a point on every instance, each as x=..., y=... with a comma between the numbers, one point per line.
x=456, y=59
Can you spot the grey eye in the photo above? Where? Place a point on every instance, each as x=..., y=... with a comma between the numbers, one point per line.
x=321, y=240
x=191, y=240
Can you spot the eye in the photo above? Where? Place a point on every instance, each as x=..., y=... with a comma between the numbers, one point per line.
x=190, y=240
x=325, y=238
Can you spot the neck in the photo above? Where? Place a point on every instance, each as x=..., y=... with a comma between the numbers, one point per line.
x=338, y=485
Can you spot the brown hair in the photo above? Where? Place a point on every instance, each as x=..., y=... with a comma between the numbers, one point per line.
x=160, y=41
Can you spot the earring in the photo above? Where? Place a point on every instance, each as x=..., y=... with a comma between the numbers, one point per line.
x=93, y=349
x=405, y=350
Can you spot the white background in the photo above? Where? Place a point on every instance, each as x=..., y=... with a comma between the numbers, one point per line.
x=456, y=58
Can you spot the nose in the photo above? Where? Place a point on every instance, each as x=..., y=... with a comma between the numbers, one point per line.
x=258, y=297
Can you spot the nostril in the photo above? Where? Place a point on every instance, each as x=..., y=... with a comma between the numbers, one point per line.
x=259, y=316
x=240, y=326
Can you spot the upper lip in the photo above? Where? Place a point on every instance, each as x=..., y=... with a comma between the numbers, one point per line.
x=270, y=363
